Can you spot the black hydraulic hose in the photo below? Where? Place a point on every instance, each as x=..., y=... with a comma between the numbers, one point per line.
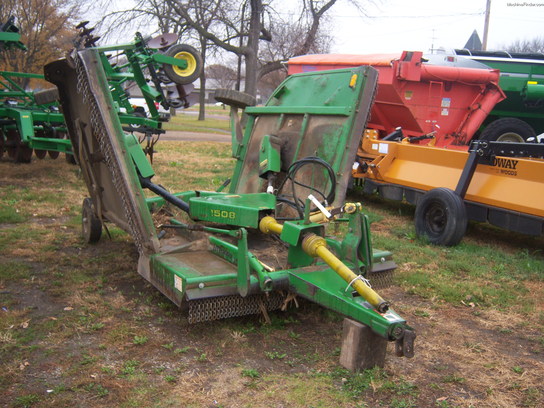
x=297, y=203
x=172, y=199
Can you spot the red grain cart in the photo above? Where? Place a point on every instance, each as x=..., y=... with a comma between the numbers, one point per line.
x=445, y=101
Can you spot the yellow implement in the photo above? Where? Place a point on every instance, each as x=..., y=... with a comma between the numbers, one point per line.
x=499, y=183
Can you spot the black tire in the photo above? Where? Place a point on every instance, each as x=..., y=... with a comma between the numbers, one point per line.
x=508, y=130
x=193, y=70
x=441, y=217
x=234, y=98
x=47, y=96
x=91, y=224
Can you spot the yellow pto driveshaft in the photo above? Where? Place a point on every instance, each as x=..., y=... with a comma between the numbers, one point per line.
x=316, y=246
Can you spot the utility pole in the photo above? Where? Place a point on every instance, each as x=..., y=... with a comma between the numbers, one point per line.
x=432, y=42
x=486, y=24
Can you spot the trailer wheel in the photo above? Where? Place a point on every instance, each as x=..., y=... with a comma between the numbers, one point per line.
x=234, y=98
x=441, y=217
x=508, y=130
x=194, y=64
x=91, y=224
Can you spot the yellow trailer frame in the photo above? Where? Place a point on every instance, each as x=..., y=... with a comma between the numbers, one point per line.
x=499, y=183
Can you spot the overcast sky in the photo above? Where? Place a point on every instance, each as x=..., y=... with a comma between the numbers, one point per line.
x=419, y=25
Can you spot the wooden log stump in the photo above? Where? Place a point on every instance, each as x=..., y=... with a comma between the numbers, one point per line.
x=361, y=347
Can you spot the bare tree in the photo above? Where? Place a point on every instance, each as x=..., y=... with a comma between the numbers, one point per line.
x=223, y=76
x=242, y=29
x=533, y=45
x=47, y=30
x=243, y=35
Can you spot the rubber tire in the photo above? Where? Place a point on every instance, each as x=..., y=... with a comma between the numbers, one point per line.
x=499, y=130
x=90, y=223
x=441, y=217
x=170, y=72
x=47, y=96
x=234, y=98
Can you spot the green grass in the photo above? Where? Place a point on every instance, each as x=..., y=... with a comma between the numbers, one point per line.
x=477, y=273
x=190, y=123
x=15, y=271
x=123, y=344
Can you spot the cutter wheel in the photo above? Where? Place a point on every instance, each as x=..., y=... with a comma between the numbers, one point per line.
x=91, y=224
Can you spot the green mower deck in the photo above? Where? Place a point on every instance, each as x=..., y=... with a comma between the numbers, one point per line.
x=253, y=248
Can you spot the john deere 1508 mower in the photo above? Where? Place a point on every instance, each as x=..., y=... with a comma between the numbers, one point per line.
x=248, y=249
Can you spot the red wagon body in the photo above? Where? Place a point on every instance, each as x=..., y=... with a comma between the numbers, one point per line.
x=421, y=98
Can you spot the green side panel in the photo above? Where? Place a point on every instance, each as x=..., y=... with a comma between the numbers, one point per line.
x=328, y=289
x=25, y=122
x=297, y=258
x=138, y=156
x=293, y=230
x=232, y=209
x=269, y=156
x=534, y=91
x=57, y=145
x=169, y=277
x=319, y=114
x=523, y=100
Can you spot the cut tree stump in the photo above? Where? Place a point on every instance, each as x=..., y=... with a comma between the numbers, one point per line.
x=361, y=347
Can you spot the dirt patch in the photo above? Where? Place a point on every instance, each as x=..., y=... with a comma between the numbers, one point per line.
x=80, y=327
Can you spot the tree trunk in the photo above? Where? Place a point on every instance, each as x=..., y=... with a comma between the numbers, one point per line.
x=255, y=26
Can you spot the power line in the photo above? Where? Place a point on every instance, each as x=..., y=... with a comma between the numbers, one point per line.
x=414, y=17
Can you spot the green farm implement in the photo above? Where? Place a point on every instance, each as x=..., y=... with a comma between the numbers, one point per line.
x=252, y=248
x=520, y=117
x=27, y=119
x=157, y=69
